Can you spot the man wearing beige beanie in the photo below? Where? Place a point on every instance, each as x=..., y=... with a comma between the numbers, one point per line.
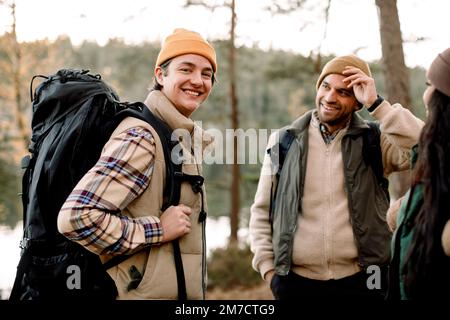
x=318, y=223
x=420, y=267
x=118, y=206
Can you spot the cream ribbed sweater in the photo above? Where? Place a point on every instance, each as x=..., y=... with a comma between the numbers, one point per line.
x=324, y=246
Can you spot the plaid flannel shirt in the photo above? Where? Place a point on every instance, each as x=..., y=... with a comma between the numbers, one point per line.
x=92, y=212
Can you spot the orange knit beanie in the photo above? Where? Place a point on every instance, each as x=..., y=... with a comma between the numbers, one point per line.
x=338, y=64
x=183, y=41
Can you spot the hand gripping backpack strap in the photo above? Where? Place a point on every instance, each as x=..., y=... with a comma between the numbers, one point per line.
x=196, y=182
x=172, y=194
x=172, y=189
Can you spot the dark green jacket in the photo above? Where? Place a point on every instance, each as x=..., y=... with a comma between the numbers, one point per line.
x=367, y=200
x=402, y=238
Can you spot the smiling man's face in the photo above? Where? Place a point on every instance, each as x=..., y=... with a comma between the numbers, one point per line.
x=335, y=102
x=187, y=82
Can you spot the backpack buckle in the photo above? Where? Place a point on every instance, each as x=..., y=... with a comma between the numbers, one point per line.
x=24, y=243
x=25, y=162
x=196, y=181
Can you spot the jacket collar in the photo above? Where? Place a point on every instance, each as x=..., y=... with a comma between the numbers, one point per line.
x=357, y=124
x=299, y=125
x=163, y=108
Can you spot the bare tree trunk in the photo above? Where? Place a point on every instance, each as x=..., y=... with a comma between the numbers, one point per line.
x=235, y=169
x=236, y=175
x=16, y=59
x=395, y=71
x=396, y=76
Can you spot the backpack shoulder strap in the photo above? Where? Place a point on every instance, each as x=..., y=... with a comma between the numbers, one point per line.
x=279, y=150
x=277, y=156
x=286, y=139
x=372, y=153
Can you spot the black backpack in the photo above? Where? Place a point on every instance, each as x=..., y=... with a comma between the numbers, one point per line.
x=371, y=154
x=74, y=115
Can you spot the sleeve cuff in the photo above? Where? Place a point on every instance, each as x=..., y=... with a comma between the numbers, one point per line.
x=265, y=267
x=152, y=229
x=382, y=110
x=376, y=103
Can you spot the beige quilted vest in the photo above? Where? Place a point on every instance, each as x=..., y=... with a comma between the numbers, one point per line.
x=156, y=263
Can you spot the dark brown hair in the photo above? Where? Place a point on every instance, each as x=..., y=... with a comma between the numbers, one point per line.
x=426, y=265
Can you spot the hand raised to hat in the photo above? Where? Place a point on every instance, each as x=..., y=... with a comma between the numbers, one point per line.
x=363, y=85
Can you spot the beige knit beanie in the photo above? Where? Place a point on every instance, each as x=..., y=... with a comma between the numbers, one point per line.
x=338, y=64
x=439, y=72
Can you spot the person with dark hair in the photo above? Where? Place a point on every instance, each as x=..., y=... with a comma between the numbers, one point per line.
x=318, y=226
x=421, y=243
x=118, y=207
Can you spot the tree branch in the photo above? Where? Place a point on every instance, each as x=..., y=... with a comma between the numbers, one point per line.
x=210, y=7
x=289, y=7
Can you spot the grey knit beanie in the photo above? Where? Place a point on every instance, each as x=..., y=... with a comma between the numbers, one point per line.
x=439, y=72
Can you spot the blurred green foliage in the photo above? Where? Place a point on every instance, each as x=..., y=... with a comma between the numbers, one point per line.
x=10, y=205
x=273, y=87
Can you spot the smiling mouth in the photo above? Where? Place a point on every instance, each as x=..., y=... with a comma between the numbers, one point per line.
x=328, y=108
x=192, y=93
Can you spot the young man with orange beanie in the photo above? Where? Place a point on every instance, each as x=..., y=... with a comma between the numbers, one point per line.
x=117, y=207
x=318, y=227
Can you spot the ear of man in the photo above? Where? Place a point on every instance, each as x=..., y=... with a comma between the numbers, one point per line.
x=159, y=74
